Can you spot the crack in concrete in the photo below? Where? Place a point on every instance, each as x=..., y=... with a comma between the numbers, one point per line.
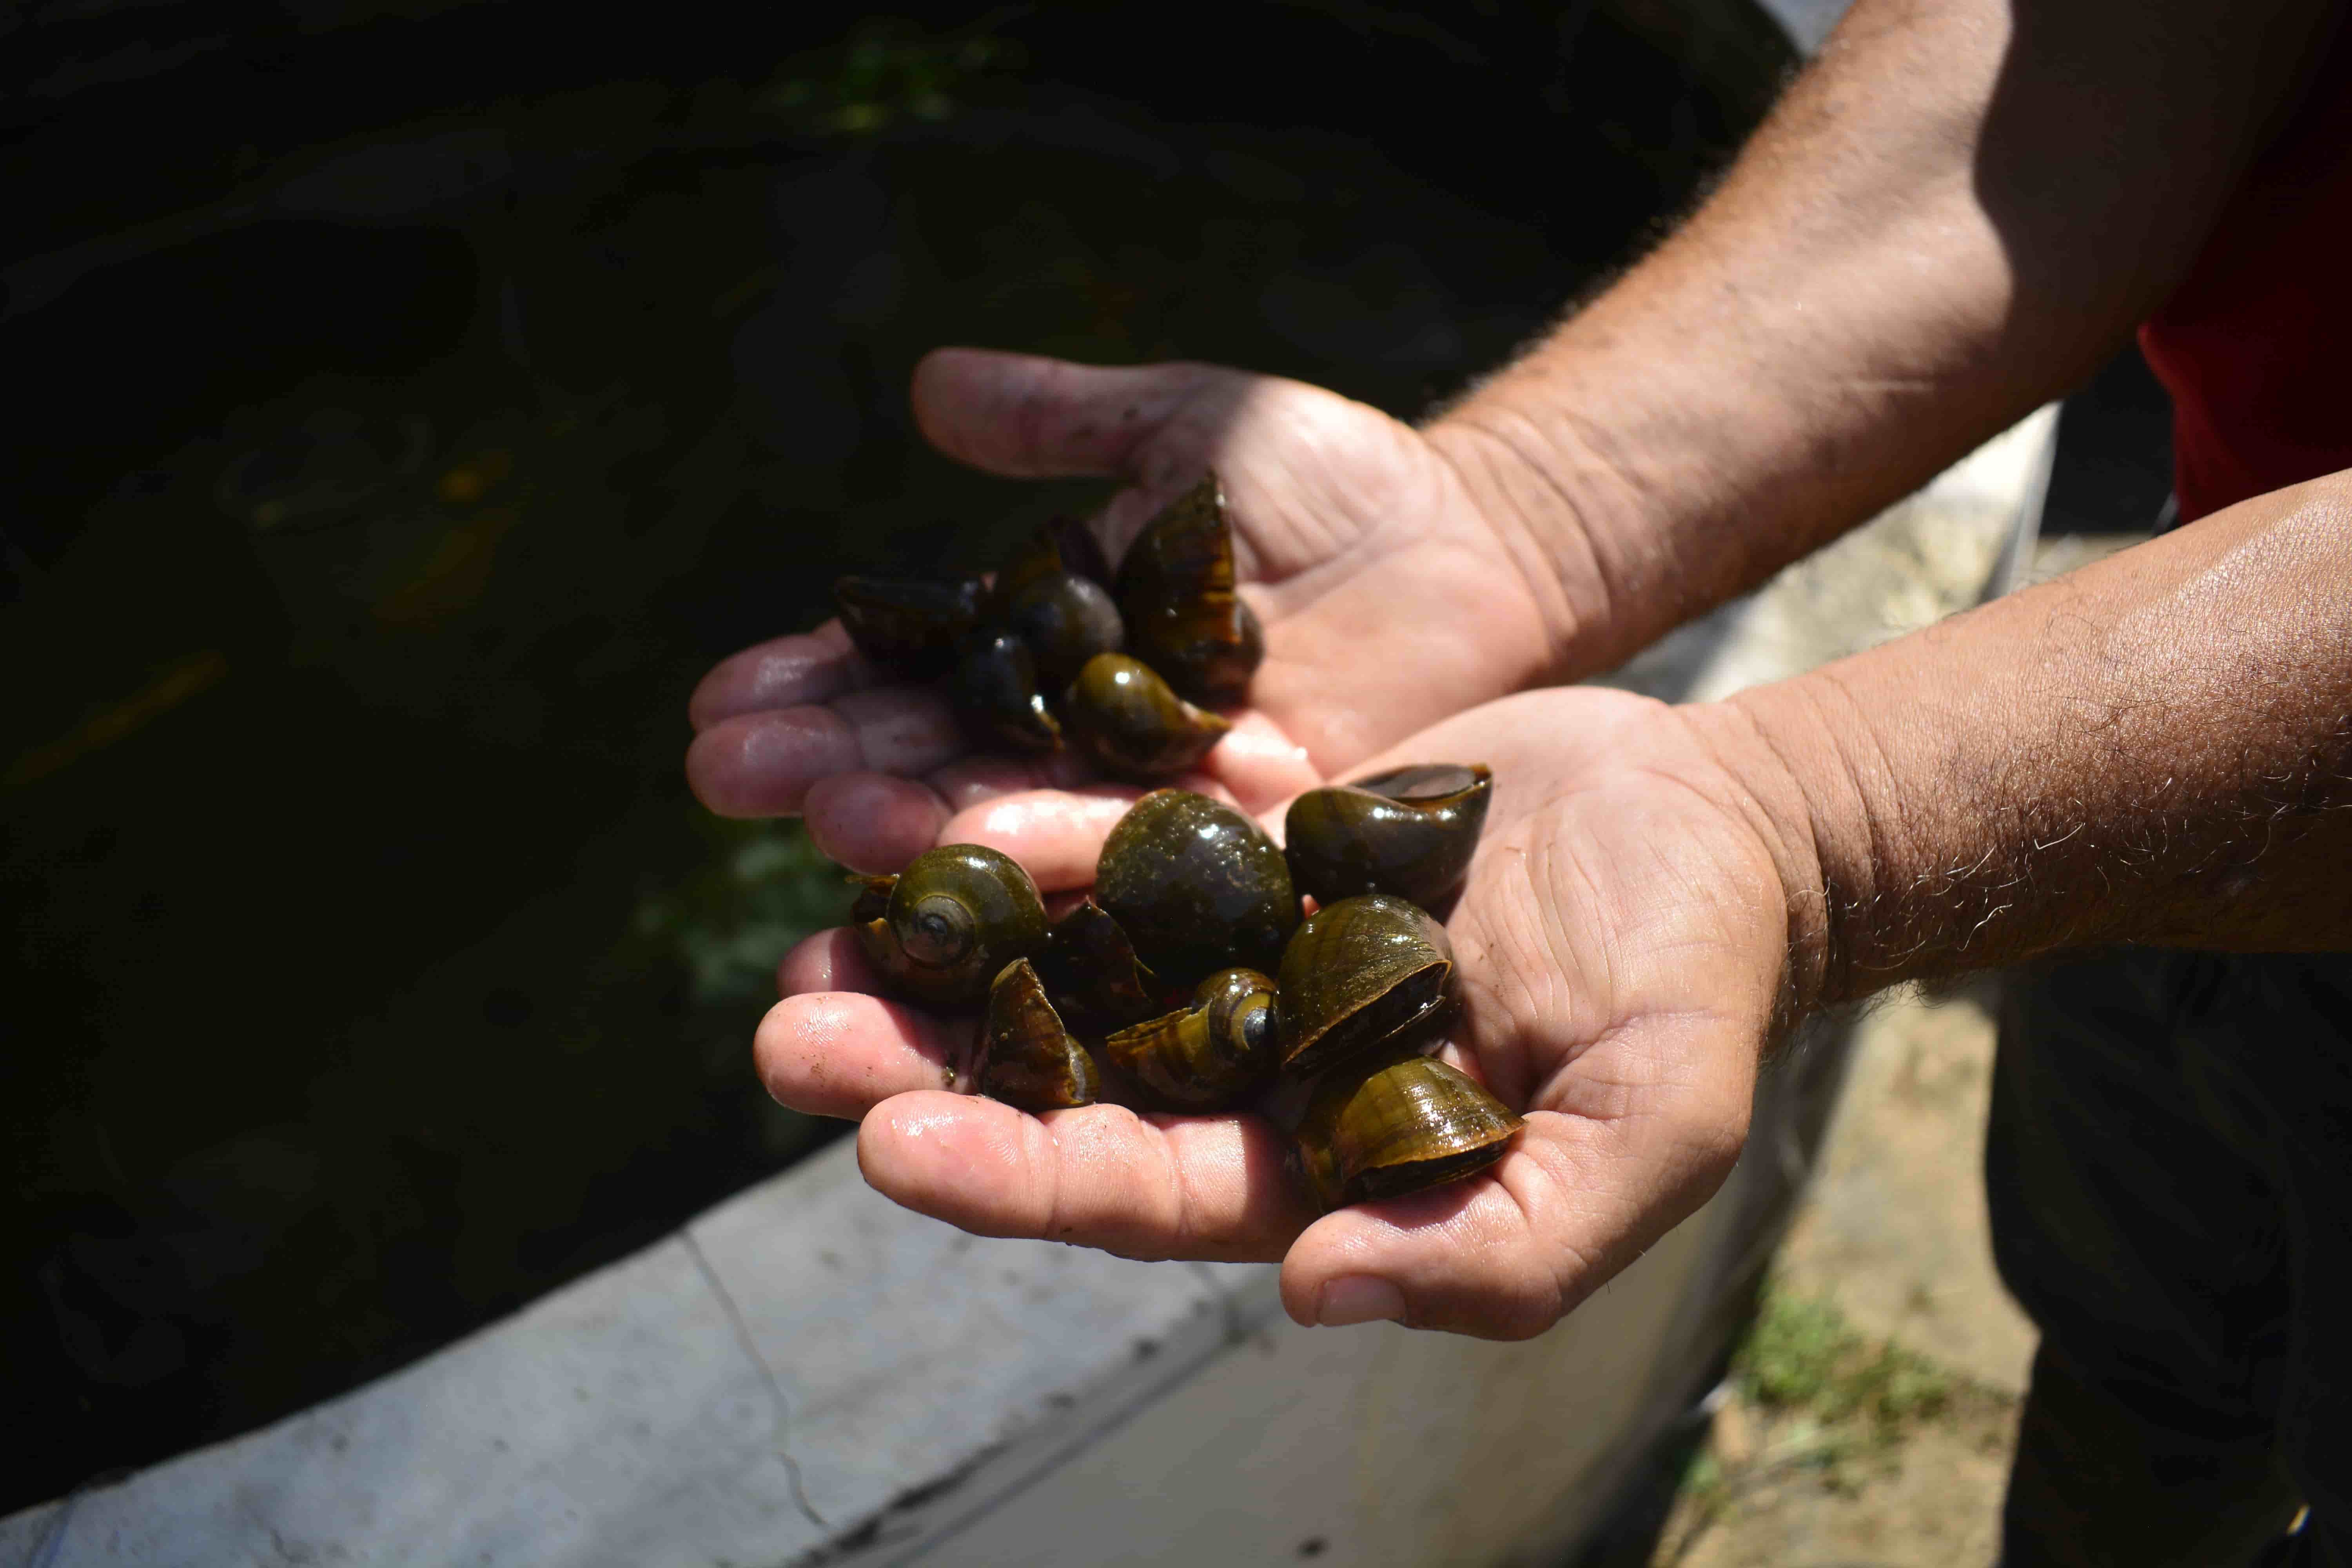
x=767, y=1374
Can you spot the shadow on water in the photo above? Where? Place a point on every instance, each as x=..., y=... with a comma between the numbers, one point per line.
x=425, y=394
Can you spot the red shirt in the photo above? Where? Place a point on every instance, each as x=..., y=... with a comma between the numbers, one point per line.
x=2256, y=345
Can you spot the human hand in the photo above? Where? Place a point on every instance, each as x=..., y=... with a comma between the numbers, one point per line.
x=1390, y=599
x=1620, y=944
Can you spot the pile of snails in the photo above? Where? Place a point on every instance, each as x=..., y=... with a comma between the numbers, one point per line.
x=1059, y=647
x=1188, y=971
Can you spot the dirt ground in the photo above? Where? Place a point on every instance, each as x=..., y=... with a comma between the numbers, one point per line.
x=1869, y=1420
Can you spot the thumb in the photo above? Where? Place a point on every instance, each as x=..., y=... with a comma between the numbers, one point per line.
x=1031, y=417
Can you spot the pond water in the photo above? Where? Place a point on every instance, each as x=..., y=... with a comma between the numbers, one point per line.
x=425, y=394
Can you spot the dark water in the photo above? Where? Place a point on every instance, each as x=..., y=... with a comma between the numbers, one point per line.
x=421, y=398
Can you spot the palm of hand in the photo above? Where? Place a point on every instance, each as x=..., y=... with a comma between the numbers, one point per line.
x=1620, y=945
x=1389, y=601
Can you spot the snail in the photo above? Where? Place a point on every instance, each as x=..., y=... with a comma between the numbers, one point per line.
x=910, y=626
x=1027, y=1060
x=1212, y=1052
x=1410, y=832
x=1197, y=886
x=1129, y=720
x=1395, y=1122
x=1359, y=972
x=941, y=930
x=1064, y=616
x=1092, y=975
x=1012, y=649
x=994, y=684
x=1176, y=590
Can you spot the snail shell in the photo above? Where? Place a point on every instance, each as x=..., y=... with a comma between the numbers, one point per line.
x=940, y=929
x=994, y=684
x=1130, y=720
x=1027, y=1058
x=1411, y=833
x=1210, y=1053
x=1197, y=886
x=1360, y=972
x=1065, y=620
x=1176, y=589
x=1393, y=1124
x=1092, y=973
x=908, y=626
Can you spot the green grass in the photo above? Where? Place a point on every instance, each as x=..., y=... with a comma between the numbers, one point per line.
x=1802, y=1355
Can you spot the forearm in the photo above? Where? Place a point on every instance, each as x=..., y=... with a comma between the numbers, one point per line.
x=2157, y=749
x=1956, y=215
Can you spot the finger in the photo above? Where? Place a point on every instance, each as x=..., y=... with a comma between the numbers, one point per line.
x=761, y=764
x=1028, y=416
x=829, y=961
x=841, y=1053
x=786, y=672
x=873, y=823
x=1259, y=764
x=1152, y=1186
x=984, y=776
x=1056, y=835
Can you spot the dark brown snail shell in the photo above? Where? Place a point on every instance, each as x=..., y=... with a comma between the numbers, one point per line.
x=995, y=686
x=1027, y=1058
x=1197, y=886
x=1183, y=617
x=940, y=931
x=1209, y=1054
x=1410, y=833
x=1128, y=720
x=910, y=626
x=1360, y=972
x=1091, y=972
x=1065, y=620
x=1393, y=1124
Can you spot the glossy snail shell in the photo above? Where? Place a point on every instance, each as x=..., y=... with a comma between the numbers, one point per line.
x=1091, y=972
x=994, y=684
x=1212, y=1052
x=1197, y=886
x=1410, y=832
x=908, y=626
x=1390, y=1123
x=1027, y=1058
x=938, y=931
x=1132, y=722
x=1360, y=972
x=1065, y=620
x=1183, y=617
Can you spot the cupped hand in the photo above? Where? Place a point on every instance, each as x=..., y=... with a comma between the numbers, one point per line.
x=1390, y=598
x=1621, y=943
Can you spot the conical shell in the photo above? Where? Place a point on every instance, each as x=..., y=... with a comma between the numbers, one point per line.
x=1209, y=1055
x=1410, y=832
x=1389, y=1124
x=1176, y=590
x=938, y=931
x=1359, y=973
x=1027, y=1058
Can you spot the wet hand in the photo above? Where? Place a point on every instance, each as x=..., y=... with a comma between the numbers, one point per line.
x=1389, y=599
x=1621, y=943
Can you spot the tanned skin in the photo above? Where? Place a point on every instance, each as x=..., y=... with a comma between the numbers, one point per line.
x=1957, y=212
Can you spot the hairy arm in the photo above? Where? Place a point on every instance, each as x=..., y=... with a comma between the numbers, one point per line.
x=1956, y=215
x=2157, y=749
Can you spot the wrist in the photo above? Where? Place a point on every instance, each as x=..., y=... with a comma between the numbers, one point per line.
x=1542, y=513
x=1788, y=780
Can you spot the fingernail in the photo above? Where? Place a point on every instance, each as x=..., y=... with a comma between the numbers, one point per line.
x=1358, y=1298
